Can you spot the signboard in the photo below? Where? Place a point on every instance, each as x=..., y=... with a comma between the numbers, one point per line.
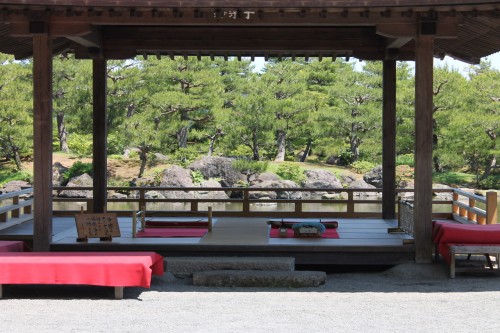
x=104, y=226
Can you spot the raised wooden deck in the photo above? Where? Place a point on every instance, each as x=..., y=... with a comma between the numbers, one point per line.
x=361, y=242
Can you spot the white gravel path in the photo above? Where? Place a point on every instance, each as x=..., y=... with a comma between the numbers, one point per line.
x=407, y=298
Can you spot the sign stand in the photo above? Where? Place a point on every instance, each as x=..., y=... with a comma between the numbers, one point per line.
x=103, y=226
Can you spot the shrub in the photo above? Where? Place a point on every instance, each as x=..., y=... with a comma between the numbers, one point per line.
x=490, y=183
x=184, y=156
x=78, y=168
x=362, y=166
x=197, y=176
x=115, y=146
x=291, y=171
x=405, y=159
x=81, y=145
x=249, y=167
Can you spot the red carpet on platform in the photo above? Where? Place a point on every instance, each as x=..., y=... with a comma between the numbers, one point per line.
x=329, y=233
x=172, y=232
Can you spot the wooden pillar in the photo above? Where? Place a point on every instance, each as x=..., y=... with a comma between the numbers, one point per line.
x=423, y=147
x=99, y=136
x=389, y=140
x=42, y=141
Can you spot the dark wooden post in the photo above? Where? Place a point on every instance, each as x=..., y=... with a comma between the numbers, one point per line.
x=389, y=140
x=42, y=141
x=99, y=136
x=423, y=147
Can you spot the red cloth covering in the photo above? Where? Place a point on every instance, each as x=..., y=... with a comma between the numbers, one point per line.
x=11, y=246
x=329, y=233
x=172, y=232
x=113, y=269
x=176, y=224
x=446, y=234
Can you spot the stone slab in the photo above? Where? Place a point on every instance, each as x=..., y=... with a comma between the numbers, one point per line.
x=185, y=266
x=252, y=278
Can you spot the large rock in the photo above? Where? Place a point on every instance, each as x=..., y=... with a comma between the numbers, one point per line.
x=58, y=171
x=176, y=176
x=258, y=178
x=201, y=194
x=79, y=181
x=14, y=186
x=143, y=182
x=321, y=179
x=279, y=184
x=362, y=185
x=219, y=167
x=257, y=278
x=374, y=177
x=183, y=267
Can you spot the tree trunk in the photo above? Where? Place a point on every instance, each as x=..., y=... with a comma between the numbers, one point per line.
x=354, y=143
x=213, y=138
x=491, y=165
x=307, y=151
x=182, y=136
x=143, y=156
x=281, y=145
x=255, y=147
x=17, y=160
x=62, y=134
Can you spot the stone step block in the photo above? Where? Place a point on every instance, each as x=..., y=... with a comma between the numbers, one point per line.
x=185, y=266
x=252, y=278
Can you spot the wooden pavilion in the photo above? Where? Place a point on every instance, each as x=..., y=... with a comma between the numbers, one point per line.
x=386, y=30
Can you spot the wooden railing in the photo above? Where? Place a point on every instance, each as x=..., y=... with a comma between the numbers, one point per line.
x=466, y=211
x=13, y=210
x=347, y=199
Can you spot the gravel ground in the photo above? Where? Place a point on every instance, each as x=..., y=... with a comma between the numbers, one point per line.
x=416, y=298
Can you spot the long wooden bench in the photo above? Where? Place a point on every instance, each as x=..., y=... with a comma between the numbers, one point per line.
x=113, y=269
x=452, y=239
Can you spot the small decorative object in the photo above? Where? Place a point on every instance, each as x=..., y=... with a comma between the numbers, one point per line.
x=309, y=229
x=283, y=231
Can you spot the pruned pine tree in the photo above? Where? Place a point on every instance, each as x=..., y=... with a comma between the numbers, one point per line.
x=16, y=110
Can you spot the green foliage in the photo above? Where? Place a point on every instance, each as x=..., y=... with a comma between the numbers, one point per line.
x=490, y=183
x=457, y=178
x=249, y=167
x=290, y=171
x=80, y=144
x=362, y=166
x=197, y=176
x=78, y=168
x=405, y=159
x=185, y=156
x=115, y=145
x=7, y=175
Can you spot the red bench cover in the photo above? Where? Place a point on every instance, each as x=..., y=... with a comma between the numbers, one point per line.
x=11, y=246
x=114, y=269
x=446, y=234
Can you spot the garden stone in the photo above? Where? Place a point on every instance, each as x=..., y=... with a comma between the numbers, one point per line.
x=219, y=167
x=176, y=176
x=79, y=181
x=58, y=171
x=374, y=177
x=321, y=179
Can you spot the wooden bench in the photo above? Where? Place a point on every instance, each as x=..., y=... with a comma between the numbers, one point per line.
x=470, y=249
x=113, y=269
x=452, y=239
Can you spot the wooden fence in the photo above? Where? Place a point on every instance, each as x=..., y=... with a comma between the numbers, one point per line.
x=297, y=202
x=15, y=208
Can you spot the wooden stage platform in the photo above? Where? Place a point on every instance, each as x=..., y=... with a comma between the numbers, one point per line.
x=361, y=242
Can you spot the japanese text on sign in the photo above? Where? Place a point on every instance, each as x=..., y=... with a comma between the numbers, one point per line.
x=97, y=225
x=234, y=14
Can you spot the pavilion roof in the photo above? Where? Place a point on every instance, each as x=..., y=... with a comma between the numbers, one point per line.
x=466, y=30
